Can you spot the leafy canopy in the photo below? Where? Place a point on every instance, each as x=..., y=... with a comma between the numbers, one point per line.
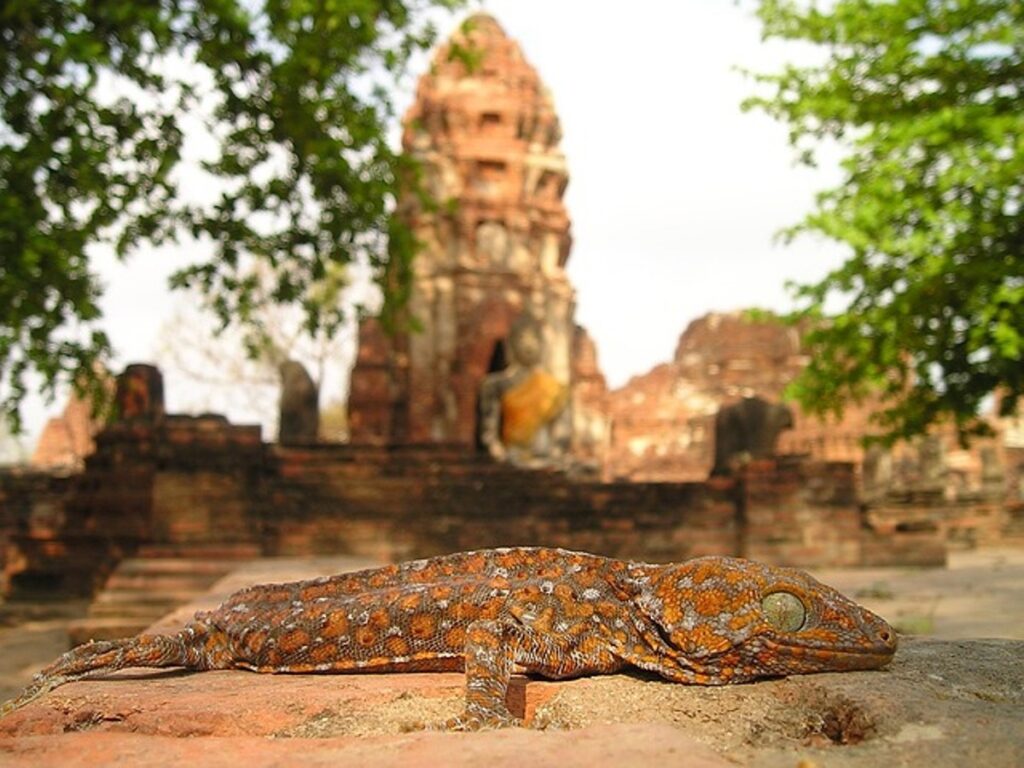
x=93, y=98
x=926, y=99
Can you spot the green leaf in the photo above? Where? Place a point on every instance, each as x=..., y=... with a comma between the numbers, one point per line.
x=302, y=94
x=927, y=102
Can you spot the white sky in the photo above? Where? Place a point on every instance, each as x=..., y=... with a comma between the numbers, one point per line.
x=674, y=193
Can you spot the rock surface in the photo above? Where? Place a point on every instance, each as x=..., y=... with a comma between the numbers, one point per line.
x=615, y=745
x=941, y=703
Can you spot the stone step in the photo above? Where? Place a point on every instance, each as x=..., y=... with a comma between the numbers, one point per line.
x=157, y=581
x=1013, y=532
x=142, y=589
x=200, y=552
x=144, y=596
x=170, y=566
x=151, y=612
x=95, y=628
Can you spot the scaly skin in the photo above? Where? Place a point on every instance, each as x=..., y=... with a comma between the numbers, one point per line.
x=548, y=611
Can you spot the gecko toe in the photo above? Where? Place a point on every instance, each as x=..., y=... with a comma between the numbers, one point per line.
x=478, y=721
x=464, y=722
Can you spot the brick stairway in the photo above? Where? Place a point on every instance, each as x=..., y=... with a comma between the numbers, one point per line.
x=1013, y=528
x=154, y=582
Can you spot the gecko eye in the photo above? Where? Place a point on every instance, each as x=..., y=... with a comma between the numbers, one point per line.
x=784, y=611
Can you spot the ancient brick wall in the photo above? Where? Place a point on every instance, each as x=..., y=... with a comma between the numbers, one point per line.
x=663, y=421
x=29, y=499
x=180, y=480
x=194, y=482
x=800, y=513
x=418, y=501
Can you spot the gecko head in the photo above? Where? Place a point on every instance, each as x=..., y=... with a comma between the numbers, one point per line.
x=732, y=620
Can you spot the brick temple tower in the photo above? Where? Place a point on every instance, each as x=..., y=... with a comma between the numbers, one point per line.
x=495, y=246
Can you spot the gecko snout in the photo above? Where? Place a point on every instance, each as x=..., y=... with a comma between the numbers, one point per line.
x=882, y=637
x=887, y=637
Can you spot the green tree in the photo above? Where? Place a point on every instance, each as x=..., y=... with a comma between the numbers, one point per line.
x=925, y=98
x=93, y=95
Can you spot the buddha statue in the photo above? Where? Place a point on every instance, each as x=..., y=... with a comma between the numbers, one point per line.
x=523, y=414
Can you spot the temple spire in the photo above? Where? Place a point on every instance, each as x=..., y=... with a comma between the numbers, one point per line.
x=494, y=243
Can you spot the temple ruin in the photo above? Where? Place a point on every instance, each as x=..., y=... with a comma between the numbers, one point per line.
x=417, y=477
x=494, y=246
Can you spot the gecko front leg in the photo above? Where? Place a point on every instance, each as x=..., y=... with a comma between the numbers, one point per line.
x=495, y=647
x=492, y=649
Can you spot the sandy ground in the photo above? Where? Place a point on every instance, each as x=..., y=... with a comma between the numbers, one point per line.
x=980, y=594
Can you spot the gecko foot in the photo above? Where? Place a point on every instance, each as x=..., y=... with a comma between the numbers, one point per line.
x=476, y=721
x=470, y=719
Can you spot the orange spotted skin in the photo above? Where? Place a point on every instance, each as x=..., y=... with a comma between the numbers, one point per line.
x=551, y=612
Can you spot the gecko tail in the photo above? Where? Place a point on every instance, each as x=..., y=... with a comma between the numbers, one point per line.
x=97, y=658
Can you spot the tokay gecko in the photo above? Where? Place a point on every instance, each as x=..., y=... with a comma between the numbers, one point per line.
x=552, y=612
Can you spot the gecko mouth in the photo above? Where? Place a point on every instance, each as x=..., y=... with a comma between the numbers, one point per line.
x=842, y=657
x=875, y=643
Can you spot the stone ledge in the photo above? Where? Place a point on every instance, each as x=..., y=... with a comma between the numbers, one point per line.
x=613, y=745
x=941, y=703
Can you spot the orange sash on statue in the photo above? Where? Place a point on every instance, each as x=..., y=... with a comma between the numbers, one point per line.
x=530, y=405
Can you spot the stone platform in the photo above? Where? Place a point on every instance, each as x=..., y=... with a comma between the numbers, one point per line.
x=144, y=588
x=941, y=703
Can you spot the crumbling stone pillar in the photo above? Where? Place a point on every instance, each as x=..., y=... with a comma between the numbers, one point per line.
x=298, y=407
x=140, y=394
